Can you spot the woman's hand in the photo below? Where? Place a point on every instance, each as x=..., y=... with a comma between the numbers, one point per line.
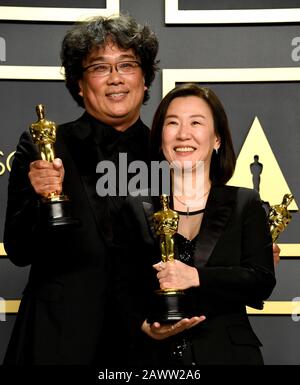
x=276, y=254
x=159, y=331
x=176, y=274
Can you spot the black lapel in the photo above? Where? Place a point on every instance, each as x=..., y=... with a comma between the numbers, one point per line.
x=149, y=211
x=218, y=209
x=85, y=154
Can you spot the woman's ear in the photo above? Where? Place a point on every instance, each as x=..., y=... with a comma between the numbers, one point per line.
x=217, y=143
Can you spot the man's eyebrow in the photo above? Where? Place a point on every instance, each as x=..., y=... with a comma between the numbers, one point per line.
x=104, y=59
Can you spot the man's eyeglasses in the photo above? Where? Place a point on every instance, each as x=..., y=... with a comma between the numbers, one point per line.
x=104, y=69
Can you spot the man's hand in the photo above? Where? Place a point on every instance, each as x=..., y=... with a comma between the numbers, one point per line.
x=46, y=177
x=276, y=254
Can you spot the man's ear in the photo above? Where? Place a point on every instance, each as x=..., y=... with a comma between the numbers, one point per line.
x=80, y=87
x=145, y=87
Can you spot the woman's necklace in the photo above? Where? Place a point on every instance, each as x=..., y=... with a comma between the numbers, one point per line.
x=188, y=207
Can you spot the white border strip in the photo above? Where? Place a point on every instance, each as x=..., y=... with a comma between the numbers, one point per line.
x=287, y=250
x=173, y=15
x=58, y=14
x=270, y=308
x=223, y=75
x=31, y=73
x=2, y=250
x=277, y=308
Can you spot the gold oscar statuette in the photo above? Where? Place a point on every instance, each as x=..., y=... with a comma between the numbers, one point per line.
x=279, y=216
x=55, y=208
x=166, y=225
x=169, y=305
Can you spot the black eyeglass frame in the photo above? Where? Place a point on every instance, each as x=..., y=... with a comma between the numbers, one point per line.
x=110, y=67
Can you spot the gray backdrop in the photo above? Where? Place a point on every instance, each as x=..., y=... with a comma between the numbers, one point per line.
x=181, y=46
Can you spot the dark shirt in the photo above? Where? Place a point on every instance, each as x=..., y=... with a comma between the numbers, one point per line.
x=111, y=143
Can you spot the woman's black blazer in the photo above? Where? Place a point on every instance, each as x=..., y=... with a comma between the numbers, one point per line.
x=234, y=259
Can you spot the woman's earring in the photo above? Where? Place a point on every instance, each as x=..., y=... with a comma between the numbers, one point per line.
x=216, y=151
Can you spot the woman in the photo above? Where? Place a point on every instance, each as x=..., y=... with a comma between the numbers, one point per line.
x=223, y=245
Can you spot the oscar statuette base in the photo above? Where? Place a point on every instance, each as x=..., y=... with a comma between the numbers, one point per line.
x=170, y=305
x=56, y=213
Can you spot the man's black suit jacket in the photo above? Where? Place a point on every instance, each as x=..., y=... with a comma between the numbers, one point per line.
x=65, y=313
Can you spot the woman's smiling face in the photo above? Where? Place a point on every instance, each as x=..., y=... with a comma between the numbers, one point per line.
x=188, y=132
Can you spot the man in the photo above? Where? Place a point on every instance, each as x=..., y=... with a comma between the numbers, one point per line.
x=67, y=310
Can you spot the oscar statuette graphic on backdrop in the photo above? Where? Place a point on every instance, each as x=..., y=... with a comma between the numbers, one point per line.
x=279, y=216
x=55, y=208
